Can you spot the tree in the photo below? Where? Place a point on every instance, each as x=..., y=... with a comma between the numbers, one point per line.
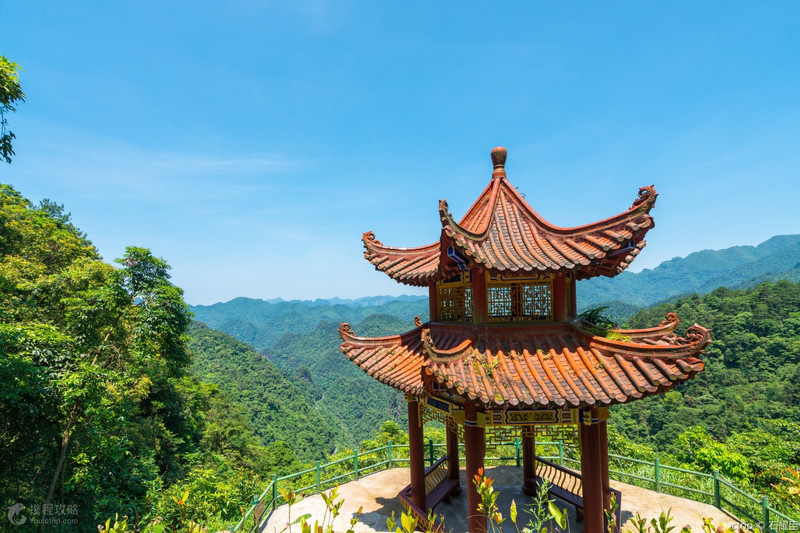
x=10, y=94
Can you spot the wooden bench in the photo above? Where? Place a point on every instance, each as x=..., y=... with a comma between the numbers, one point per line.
x=567, y=485
x=438, y=488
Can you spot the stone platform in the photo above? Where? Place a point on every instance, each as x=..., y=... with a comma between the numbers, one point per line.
x=377, y=494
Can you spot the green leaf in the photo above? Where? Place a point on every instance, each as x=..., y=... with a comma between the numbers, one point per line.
x=302, y=518
x=558, y=515
x=408, y=523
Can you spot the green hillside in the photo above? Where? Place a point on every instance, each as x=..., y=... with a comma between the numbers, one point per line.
x=348, y=396
x=740, y=416
x=699, y=272
x=98, y=412
x=753, y=365
x=278, y=408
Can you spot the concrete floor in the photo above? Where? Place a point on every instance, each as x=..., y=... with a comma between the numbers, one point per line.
x=377, y=494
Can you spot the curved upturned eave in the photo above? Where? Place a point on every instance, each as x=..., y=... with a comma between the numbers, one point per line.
x=347, y=335
x=697, y=338
x=391, y=359
x=412, y=266
x=666, y=327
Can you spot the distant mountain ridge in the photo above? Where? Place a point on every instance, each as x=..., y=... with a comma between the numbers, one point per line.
x=261, y=323
x=700, y=272
x=364, y=301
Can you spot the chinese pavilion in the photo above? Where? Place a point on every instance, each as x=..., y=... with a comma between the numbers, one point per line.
x=505, y=354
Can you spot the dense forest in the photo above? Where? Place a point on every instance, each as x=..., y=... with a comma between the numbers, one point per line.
x=302, y=389
x=743, y=412
x=98, y=412
x=280, y=409
x=357, y=402
x=301, y=340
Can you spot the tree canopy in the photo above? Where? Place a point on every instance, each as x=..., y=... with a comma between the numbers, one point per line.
x=97, y=408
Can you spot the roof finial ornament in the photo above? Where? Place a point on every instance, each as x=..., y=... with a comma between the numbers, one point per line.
x=499, y=160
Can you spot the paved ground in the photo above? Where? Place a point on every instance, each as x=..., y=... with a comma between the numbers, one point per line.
x=377, y=494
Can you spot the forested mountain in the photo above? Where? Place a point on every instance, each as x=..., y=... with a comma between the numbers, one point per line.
x=280, y=410
x=261, y=323
x=753, y=365
x=699, y=272
x=348, y=396
x=301, y=339
x=748, y=397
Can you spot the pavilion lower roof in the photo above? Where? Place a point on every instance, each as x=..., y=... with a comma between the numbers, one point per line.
x=502, y=233
x=538, y=366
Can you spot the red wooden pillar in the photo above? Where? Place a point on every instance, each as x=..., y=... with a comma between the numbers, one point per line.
x=560, y=298
x=433, y=302
x=452, y=454
x=603, y=436
x=528, y=464
x=573, y=306
x=475, y=448
x=479, y=298
x=416, y=454
x=592, y=477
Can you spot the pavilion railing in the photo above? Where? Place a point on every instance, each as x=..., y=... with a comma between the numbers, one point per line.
x=698, y=486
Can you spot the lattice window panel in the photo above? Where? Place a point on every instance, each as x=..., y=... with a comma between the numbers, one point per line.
x=458, y=427
x=568, y=434
x=432, y=415
x=501, y=305
x=501, y=434
x=455, y=303
x=520, y=301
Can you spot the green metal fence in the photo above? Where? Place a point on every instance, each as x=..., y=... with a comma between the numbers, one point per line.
x=713, y=488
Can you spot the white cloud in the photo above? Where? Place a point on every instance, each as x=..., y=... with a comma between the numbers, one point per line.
x=109, y=168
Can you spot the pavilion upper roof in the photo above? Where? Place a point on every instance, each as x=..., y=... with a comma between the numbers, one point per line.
x=503, y=233
x=557, y=365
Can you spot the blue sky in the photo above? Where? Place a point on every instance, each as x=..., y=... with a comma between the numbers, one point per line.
x=251, y=143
